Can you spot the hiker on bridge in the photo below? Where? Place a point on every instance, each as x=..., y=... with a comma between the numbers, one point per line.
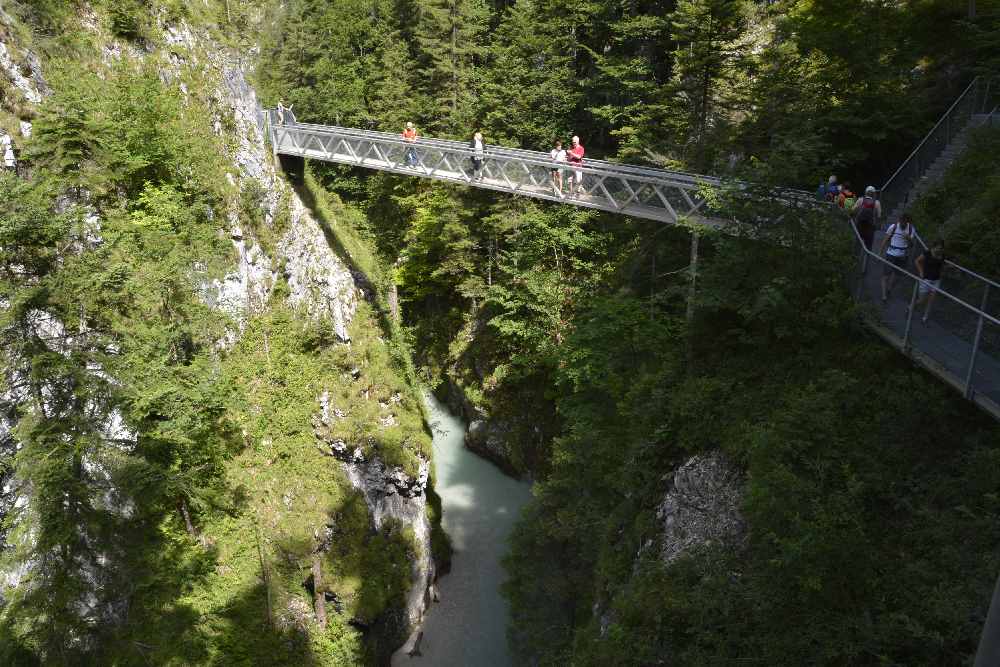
x=575, y=157
x=478, y=155
x=830, y=191
x=930, y=265
x=558, y=156
x=410, y=135
x=281, y=111
x=845, y=199
x=896, y=246
x=866, y=212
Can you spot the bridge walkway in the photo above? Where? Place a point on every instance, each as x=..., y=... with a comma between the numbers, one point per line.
x=960, y=343
x=642, y=192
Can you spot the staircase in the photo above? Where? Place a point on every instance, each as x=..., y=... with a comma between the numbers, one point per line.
x=936, y=170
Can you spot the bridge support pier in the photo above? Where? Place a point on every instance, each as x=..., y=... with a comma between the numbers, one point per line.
x=692, y=291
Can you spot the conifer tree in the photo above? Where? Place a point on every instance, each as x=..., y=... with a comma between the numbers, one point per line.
x=529, y=90
x=449, y=44
x=705, y=71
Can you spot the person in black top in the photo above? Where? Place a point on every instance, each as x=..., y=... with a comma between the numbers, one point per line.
x=930, y=265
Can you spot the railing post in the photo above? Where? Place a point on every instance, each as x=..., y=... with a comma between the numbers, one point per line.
x=975, y=344
x=861, y=277
x=909, y=316
x=989, y=641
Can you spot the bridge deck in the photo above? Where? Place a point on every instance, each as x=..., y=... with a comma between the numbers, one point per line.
x=652, y=194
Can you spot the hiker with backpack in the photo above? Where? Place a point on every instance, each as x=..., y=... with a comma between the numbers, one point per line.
x=832, y=188
x=846, y=198
x=896, y=246
x=867, y=211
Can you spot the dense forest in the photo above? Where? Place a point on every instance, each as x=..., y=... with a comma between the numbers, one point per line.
x=600, y=354
x=601, y=363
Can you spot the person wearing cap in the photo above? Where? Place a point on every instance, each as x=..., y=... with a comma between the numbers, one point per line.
x=410, y=135
x=832, y=188
x=866, y=212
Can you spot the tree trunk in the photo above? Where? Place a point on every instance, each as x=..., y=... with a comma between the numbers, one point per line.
x=183, y=507
x=691, y=297
x=319, y=600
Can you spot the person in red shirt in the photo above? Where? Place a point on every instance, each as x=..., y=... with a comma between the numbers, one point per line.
x=575, y=158
x=410, y=135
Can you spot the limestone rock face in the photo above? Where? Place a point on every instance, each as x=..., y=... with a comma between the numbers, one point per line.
x=318, y=281
x=390, y=494
x=701, y=506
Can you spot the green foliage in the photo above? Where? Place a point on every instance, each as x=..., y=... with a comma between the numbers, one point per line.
x=963, y=207
x=111, y=345
x=128, y=18
x=834, y=495
x=167, y=477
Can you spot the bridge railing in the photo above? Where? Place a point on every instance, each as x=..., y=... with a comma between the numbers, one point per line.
x=960, y=342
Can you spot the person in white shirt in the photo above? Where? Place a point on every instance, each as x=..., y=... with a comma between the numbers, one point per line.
x=478, y=154
x=558, y=155
x=896, y=246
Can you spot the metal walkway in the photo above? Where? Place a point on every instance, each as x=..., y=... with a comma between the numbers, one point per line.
x=654, y=194
x=960, y=343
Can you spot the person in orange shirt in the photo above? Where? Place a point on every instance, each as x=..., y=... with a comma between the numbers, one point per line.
x=410, y=135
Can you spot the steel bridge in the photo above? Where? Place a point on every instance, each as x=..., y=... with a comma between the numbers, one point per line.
x=642, y=192
x=960, y=342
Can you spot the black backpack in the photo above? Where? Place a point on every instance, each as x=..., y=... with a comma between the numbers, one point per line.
x=867, y=213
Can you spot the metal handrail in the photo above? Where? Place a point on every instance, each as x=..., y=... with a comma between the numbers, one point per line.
x=535, y=158
x=928, y=135
x=939, y=290
x=538, y=157
x=590, y=166
x=961, y=268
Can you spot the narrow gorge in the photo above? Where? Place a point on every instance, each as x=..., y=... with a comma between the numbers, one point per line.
x=260, y=409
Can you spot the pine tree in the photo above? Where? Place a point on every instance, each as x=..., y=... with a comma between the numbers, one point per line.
x=705, y=71
x=449, y=45
x=635, y=73
x=529, y=90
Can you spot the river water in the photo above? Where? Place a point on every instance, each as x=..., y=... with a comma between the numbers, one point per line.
x=480, y=504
